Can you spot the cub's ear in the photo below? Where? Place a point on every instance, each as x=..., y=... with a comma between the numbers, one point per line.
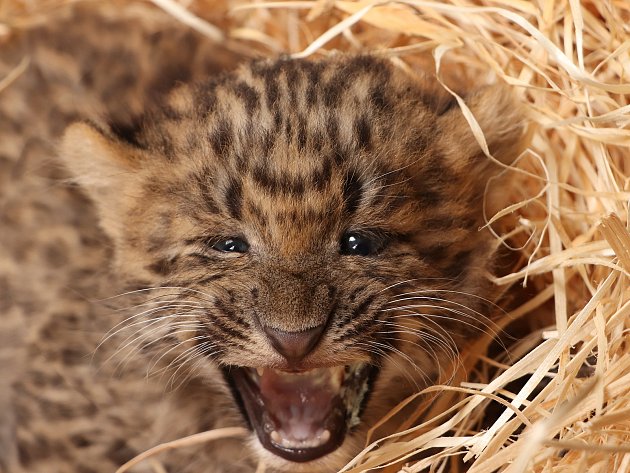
x=501, y=119
x=105, y=168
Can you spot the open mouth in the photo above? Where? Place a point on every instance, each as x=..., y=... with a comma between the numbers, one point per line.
x=302, y=416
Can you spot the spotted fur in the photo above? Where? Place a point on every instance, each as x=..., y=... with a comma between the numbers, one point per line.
x=286, y=154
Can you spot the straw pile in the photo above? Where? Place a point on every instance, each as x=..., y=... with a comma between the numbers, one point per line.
x=569, y=61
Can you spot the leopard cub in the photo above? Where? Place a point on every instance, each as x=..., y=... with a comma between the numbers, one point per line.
x=294, y=247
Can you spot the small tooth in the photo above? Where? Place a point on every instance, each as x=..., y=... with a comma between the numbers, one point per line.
x=260, y=371
x=275, y=437
x=325, y=437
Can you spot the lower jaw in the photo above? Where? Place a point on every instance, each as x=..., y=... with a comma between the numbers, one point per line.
x=344, y=414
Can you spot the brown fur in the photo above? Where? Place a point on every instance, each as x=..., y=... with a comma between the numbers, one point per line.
x=287, y=154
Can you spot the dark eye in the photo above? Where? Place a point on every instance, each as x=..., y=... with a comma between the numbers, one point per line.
x=357, y=244
x=231, y=245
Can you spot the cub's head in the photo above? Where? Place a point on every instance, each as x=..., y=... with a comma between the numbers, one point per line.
x=317, y=224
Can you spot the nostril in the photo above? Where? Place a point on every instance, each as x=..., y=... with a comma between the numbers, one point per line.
x=294, y=346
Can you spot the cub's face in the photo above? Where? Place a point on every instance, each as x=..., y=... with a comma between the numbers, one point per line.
x=317, y=225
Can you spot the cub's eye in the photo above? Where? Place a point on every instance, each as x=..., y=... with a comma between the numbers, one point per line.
x=231, y=245
x=359, y=245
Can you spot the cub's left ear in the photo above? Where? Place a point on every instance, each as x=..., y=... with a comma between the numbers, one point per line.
x=106, y=168
x=501, y=119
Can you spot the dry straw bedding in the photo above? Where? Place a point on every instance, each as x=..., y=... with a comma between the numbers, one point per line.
x=569, y=62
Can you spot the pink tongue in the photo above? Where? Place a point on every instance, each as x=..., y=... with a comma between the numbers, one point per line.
x=298, y=404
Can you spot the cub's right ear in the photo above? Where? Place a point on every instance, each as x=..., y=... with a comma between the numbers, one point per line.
x=105, y=168
x=501, y=119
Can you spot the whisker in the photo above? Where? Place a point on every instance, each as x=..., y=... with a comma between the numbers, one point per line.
x=185, y=361
x=155, y=288
x=152, y=300
x=180, y=356
x=379, y=352
x=446, y=341
x=488, y=329
x=404, y=356
x=407, y=281
x=437, y=327
x=143, y=333
x=169, y=333
x=147, y=324
x=424, y=336
x=110, y=334
x=452, y=291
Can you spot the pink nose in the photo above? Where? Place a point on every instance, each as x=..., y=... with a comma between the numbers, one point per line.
x=294, y=346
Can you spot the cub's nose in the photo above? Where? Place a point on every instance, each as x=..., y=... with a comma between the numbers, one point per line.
x=294, y=346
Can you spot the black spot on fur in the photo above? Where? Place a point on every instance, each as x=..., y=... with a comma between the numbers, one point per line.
x=234, y=198
x=81, y=440
x=29, y=452
x=249, y=96
x=428, y=197
x=446, y=222
x=204, y=183
x=262, y=177
x=318, y=141
x=352, y=192
x=434, y=254
x=354, y=314
x=277, y=120
x=72, y=356
x=291, y=185
x=207, y=279
x=242, y=163
x=228, y=318
x=230, y=314
x=268, y=141
x=119, y=452
x=347, y=74
x=363, y=133
x=293, y=82
x=352, y=297
x=313, y=71
x=200, y=260
x=301, y=134
x=163, y=267
x=269, y=74
x=85, y=469
x=379, y=99
x=128, y=132
x=361, y=329
x=368, y=65
x=221, y=138
x=206, y=101
x=321, y=177
x=332, y=129
x=459, y=265
x=419, y=143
